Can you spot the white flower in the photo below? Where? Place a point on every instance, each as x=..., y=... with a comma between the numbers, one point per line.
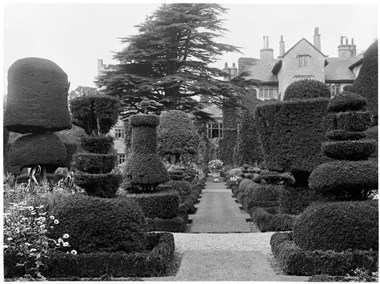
x=56, y=221
x=60, y=240
x=9, y=239
x=51, y=217
x=33, y=250
x=74, y=251
x=65, y=244
x=27, y=244
x=66, y=236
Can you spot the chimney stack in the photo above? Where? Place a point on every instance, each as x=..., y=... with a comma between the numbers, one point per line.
x=317, y=39
x=282, y=46
x=346, y=50
x=266, y=54
x=233, y=71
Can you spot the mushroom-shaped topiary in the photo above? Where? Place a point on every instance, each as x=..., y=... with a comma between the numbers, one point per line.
x=338, y=226
x=177, y=135
x=306, y=89
x=144, y=169
x=37, y=97
x=100, y=224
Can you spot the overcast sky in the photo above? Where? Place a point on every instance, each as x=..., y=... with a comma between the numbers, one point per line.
x=75, y=35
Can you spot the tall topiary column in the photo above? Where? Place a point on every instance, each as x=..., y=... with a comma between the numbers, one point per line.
x=96, y=114
x=229, y=140
x=37, y=107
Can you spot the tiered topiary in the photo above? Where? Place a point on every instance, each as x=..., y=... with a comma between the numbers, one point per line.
x=96, y=114
x=144, y=173
x=177, y=136
x=36, y=107
x=339, y=233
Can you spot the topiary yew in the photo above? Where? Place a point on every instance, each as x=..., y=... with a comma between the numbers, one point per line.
x=306, y=89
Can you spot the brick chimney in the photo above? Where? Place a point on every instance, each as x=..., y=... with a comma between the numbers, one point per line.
x=317, y=39
x=233, y=71
x=266, y=53
x=346, y=50
x=282, y=46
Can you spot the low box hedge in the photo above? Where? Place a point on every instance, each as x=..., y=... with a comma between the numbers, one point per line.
x=153, y=262
x=176, y=224
x=157, y=205
x=295, y=261
x=266, y=221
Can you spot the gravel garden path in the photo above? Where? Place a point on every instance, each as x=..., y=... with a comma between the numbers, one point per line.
x=221, y=246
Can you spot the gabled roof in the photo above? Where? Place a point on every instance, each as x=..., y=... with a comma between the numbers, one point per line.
x=338, y=69
x=262, y=71
x=360, y=61
x=302, y=39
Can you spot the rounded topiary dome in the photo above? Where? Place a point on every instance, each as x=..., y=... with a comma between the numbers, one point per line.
x=37, y=97
x=346, y=102
x=306, y=89
x=177, y=134
x=338, y=226
x=100, y=224
x=41, y=149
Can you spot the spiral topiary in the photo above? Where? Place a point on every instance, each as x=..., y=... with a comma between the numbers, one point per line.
x=306, y=89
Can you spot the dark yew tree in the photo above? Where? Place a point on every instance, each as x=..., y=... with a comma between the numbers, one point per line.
x=168, y=61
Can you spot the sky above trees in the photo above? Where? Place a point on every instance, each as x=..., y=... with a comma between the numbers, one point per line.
x=75, y=35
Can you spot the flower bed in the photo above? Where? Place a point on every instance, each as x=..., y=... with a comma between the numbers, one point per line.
x=153, y=262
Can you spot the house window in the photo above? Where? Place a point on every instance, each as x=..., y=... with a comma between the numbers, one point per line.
x=334, y=89
x=267, y=93
x=303, y=60
x=119, y=133
x=304, y=77
x=121, y=158
x=215, y=130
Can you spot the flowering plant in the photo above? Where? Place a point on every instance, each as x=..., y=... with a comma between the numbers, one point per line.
x=215, y=165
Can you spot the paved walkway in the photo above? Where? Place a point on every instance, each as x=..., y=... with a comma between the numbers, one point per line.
x=221, y=247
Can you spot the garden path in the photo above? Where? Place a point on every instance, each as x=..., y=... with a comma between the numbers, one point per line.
x=221, y=246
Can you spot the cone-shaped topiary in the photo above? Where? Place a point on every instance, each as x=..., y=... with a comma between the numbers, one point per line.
x=100, y=225
x=37, y=97
x=306, y=89
x=176, y=134
x=338, y=226
x=144, y=169
x=41, y=149
x=366, y=84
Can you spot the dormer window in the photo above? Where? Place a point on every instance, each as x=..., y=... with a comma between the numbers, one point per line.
x=303, y=60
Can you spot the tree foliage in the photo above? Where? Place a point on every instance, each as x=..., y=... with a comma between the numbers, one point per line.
x=168, y=61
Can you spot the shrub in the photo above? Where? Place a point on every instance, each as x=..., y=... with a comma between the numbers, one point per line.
x=349, y=150
x=293, y=260
x=366, y=84
x=353, y=121
x=295, y=200
x=95, y=113
x=338, y=226
x=306, y=89
x=37, y=97
x=177, y=134
x=271, y=222
x=266, y=192
x=246, y=185
x=94, y=163
x=183, y=188
x=291, y=133
x=71, y=149
x=346, y=102
x=100, y=224
x=97, y=144
x=41, y=149
x=161, y=205
x=345, y=180
x=339, y=134
x=144, y=169
x=101, y=185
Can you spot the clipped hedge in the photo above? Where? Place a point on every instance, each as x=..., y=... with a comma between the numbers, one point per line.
x=346, y=102
x=268, y=222
x=96, y=144
x=294, y=200
x=161, y=205
x=345, y=179
x=100, y=224
x=41, y=149
x=306, y=89
x=349, y=150
x=101, y=185
x=340, y=135
x=94, y=163
x=184, y=188
x=338, y=226
x=295, y=261
x=291, y=133
x=353, y=121
x=329, y=122
x=176, y=224
x=153, y=262
x=37, y=97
